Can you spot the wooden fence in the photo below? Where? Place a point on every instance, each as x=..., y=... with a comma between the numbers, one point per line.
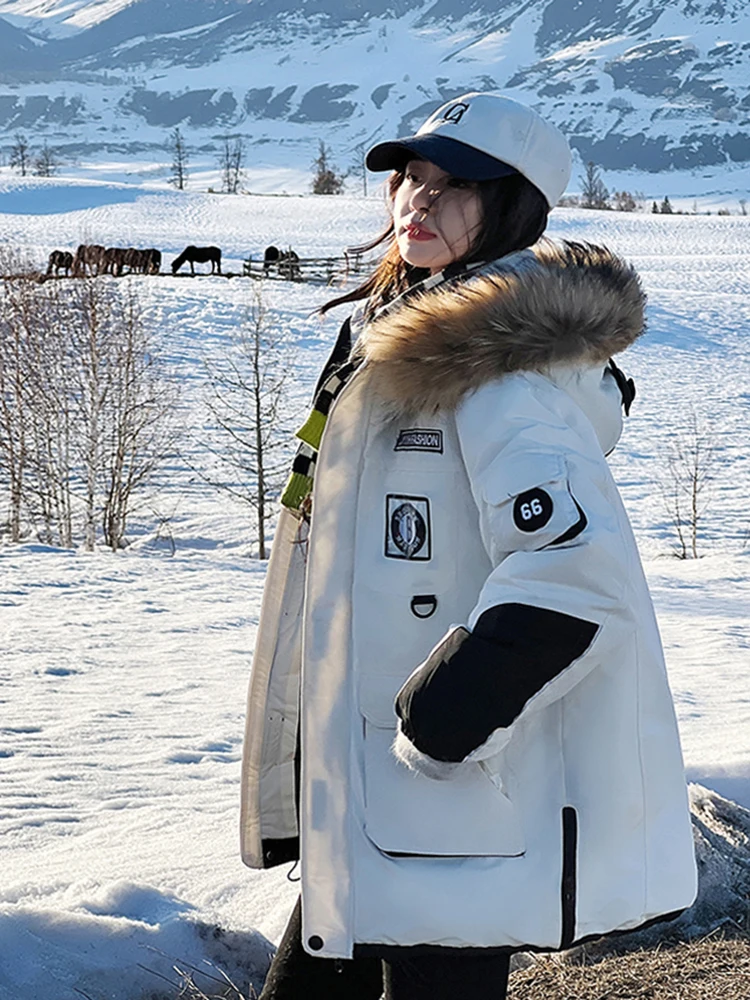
x=317, y=270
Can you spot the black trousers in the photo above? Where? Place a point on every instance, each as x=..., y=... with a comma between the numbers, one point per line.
x=444, y=974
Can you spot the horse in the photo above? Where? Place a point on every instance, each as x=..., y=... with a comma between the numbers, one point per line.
x=286, y=261
x=136, y=261
x=60, y=259
x=131, y=259
x=88, y=256
x=113, y=260
x=152, y=261
x=198, y=255
x=270, y=256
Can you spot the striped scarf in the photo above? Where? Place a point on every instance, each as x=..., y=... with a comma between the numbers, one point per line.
x=299, y=487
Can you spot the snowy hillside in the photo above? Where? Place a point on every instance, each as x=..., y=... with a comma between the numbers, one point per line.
x=658, y=94
x=123, y=677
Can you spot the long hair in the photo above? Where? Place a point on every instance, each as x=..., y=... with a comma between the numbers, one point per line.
x=514, y=216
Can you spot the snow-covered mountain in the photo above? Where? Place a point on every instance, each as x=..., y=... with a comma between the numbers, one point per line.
x=637, y=85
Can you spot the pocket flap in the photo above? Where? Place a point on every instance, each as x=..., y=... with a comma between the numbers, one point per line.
x=377, y=695
x=508, y=476
x=410, y=814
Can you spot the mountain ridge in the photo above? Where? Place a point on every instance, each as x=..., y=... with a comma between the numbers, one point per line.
x=641, y=86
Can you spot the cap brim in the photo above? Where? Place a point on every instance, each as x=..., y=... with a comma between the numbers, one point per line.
x=451, y=155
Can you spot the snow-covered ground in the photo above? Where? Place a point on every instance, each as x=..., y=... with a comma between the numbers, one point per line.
x=269, y=171
x=123, y=678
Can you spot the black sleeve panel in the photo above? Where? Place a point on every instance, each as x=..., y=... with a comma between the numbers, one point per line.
x=477, y=682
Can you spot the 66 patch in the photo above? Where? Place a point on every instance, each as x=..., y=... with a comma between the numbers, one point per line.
x=532, y=510
x=408, y=532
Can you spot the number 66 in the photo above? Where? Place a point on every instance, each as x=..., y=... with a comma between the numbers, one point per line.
x=532, y=509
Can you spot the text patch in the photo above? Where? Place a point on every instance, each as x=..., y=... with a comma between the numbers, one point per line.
x=420, y=439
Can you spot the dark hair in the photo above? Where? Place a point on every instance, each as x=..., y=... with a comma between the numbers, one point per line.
x=514, y=216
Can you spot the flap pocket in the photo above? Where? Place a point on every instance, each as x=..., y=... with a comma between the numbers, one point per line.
x=406, y=813
x=529, y=503
x=509, y=476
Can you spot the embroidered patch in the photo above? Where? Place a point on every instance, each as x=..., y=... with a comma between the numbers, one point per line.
x=532, y=510
x=455, y=113
x=407, y=527
x=419, y=439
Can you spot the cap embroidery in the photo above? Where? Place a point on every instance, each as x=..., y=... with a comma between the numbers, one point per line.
x=455, y=113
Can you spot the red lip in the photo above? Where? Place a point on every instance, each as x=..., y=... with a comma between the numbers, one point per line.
x=417, y=233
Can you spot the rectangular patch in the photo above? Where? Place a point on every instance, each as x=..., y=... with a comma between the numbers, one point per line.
x=420, y=439
x=408, y=534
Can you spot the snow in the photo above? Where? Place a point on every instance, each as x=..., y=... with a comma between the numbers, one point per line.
x=464, y=52
x=60, y=19
x=123, y=678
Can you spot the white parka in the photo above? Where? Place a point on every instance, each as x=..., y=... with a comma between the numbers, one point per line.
x=469, y=548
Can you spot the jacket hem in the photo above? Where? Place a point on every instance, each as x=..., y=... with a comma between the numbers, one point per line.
x=279, y=851
x=400, y=951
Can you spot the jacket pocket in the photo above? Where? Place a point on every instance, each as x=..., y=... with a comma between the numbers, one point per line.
x=529, y=504
x=466, y=815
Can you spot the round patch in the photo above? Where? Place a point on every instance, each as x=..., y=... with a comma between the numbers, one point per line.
x=408, y=529
x=532, y=510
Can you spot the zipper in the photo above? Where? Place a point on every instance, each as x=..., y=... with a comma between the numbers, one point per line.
x=569, y=873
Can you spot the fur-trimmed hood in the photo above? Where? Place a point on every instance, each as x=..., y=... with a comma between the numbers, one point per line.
x=577, y=303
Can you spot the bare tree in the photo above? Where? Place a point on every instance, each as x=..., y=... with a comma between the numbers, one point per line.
x=624, y=201
x=180, y=160
x=360, y=166
x=122, y=407
x=34, y=426
x=138, y=432
x=14, y=458
x=743, y=206
x=83, y=408
x=247, y=397
x=92, y=334
x=35, y=423
x=326, y=180
x=594, y=194
x=50, y=365
x=690, y=465
x=20, y=154
x=231, y=161
x=45, y=162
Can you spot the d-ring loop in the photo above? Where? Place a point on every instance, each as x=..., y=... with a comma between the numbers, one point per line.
x=424, y=605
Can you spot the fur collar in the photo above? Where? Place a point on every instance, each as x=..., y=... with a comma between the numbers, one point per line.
x=579, y=303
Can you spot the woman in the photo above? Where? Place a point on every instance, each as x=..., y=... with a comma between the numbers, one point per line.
x=464, y=640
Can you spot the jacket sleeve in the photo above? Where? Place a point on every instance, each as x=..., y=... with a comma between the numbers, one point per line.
x=552, y=524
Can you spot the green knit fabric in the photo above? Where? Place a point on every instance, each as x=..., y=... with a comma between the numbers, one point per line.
x=296, y=490
x=310, y=434
x=311, y=431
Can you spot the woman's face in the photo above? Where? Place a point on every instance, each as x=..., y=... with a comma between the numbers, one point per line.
x=436, y=217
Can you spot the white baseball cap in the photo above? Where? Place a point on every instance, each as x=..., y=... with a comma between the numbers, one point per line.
x=480, y=137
